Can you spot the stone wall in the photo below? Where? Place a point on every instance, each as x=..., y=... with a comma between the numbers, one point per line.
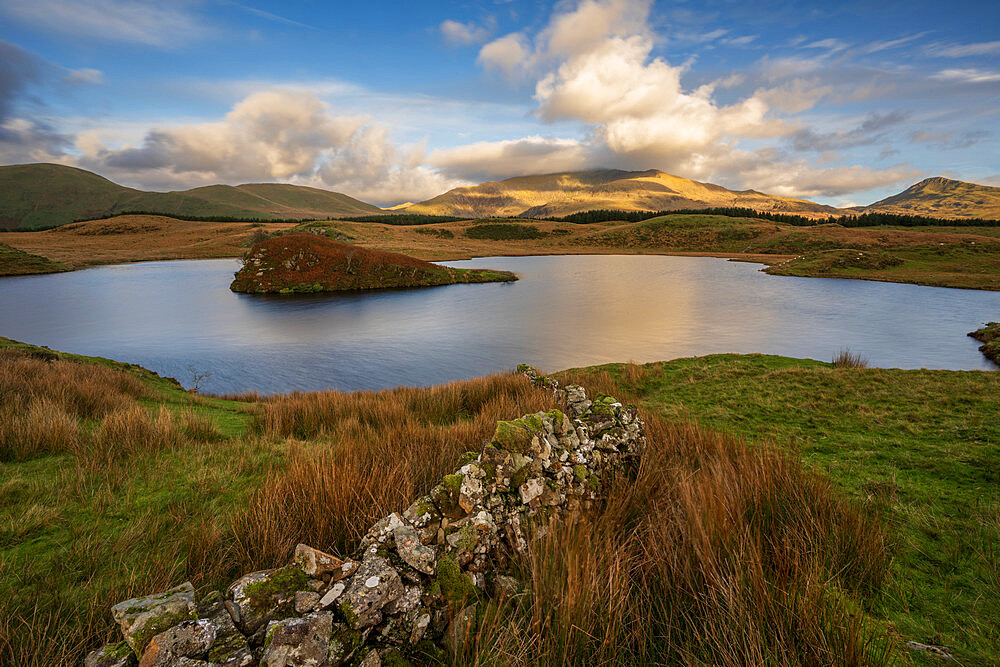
x=412, y=592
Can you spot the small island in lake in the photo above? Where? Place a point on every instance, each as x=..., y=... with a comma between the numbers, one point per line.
x=309, y=263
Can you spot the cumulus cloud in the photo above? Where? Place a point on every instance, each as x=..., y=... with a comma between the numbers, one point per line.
x=464, y=34
x=508, y=54
x=516, y=157
x=140, y=21
x=593, y=63
x=272, y=135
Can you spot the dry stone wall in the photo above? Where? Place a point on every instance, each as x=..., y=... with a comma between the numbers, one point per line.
x=413, y=591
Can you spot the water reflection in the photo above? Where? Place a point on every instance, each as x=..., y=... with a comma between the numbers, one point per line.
x=565, y=311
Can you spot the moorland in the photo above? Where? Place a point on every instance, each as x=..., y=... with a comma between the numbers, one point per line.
x=826, y=513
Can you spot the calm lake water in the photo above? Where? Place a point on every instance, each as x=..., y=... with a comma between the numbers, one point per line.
x=565, y=311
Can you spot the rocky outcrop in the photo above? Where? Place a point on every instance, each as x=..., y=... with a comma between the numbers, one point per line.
x=414, y=589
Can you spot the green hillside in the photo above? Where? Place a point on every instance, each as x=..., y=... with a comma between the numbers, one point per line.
x=43, y=195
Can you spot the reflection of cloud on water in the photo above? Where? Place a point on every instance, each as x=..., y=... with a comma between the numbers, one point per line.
x=566, y=311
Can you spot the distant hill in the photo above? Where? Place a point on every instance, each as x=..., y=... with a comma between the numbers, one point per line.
x=564, y=193
x=42, y=195
x=943, y=197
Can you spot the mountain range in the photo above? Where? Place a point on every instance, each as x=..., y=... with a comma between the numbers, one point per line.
x=42, y=195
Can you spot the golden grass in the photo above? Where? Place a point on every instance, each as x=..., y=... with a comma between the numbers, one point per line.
x=368, y=454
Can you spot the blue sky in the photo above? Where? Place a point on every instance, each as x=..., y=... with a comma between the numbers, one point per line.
x=400, y=101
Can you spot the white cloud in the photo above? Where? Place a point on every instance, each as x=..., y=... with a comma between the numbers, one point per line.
x=885, y=45
x=507, y=54
x=85, y=75
x=464, y=34
x=160, y=24
x=516, y=157
x=970, y=75
x=274, y=135
x=963, y=50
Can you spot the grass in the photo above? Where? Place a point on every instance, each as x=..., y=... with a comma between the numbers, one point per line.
x=989, y=336
x=941, y=256
x=308, y=263
x=847, y=359
x=14, y=262
x=920, y=447
x=721, y=553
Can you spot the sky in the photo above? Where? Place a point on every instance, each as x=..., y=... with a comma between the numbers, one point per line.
x=841, y=103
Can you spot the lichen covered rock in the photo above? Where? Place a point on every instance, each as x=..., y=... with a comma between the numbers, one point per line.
x=143, y=618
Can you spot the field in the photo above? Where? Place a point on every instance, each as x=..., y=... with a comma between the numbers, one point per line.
x=946, y=257
x=116, y=482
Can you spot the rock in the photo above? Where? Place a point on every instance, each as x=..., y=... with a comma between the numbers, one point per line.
x=407, y=602
x=371, y=659
x=424, y=516
x=188, y=639
x=316, y=563
x=306, y=601
x=531, y=489
x=299, y=641
x=331, y=595
x=420, y=624
x=576, y=398
x=230, y=648
x=375, y=584
x=410, y=549
x=382, y=530
x=445, y=496
x=462, y=626
x=266, y=595
x=111, y=655
x=143, y=618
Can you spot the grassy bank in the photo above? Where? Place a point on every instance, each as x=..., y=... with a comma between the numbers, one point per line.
x=989, y=336
x=115, y=482
x=919, y=448
x=943, y=256
x=14, y=262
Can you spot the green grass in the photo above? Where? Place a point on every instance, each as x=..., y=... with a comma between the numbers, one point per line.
x=44, y=195
x=989, y=336
x=14, y=262
x=921, y=447
x=504, y=231
x=947, y=265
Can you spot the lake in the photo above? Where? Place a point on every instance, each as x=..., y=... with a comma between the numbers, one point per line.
x=565, y=311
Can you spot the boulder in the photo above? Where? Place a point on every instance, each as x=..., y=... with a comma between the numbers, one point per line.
x=141, y=619
x=188, y=639
x=299, y=642
x=111, y=655
x=410, y=549
x=263, y=596
x=317, y=563
x=374, y=585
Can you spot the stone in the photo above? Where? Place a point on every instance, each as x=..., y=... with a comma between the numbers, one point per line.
x=306, y=601
x=531, y=489
x=382, y=530
x=264, y=596
x=230, y=648
x=375, y=584
x=576, y=398
x=331, y=595
x=425, y=517
x=445, y=496
x=299, y=642
x=371, y=659
x=411, y=550
x=316, y=563
x=111, y=655
x=407, y=602
x=143, y=618
x=187, y=639
x=462, y=626
x=420, y=625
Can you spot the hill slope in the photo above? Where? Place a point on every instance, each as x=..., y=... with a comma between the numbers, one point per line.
x=564, y=193
x=943, y=197
x=40, y=195
x=307, y=263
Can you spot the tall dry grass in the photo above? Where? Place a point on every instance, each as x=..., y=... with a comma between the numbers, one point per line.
x=41, y=399
x=847, y=359
x=356, y=457
x=716, y=554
